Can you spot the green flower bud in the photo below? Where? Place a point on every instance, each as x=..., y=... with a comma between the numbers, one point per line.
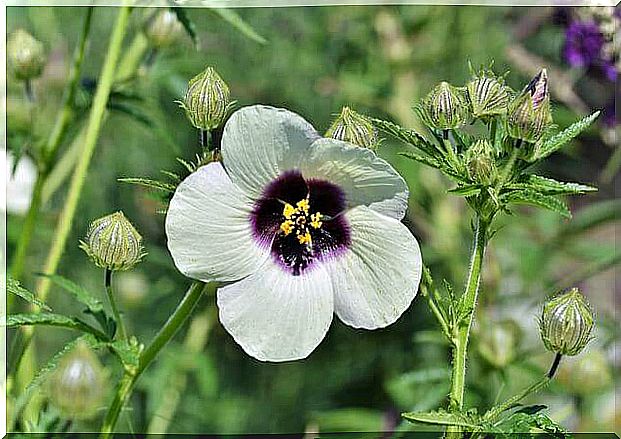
x=480, y=162
x=566, y=323
x=25, y=54
x=76, y=386
x=355, y=128
x=529, y=115
x=113, y=243
x=207, y=100
x=444, y=108
x=498, y=343
x=163, y=29
x=488, y=95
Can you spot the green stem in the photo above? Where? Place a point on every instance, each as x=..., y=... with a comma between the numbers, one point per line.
x=184, y=309
x=115, y=309
x=47, y=157
x=470, y=294
x=508, y=169
x=90, y=141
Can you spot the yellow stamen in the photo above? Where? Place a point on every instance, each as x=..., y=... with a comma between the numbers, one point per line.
x=289, y=211
x=316, y=220
x=287, y=227
x=303, y=205
x=305, y=238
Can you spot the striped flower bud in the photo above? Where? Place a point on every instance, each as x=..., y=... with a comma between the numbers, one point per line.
x=444, y=108
x=480, y=162
x=206, y=100
x=488, y=95
x=353, y=127
x=566, y=323
x=113, y=243
x=76, y=386
x=25, y=54
x=163, y=29
x=529, y=115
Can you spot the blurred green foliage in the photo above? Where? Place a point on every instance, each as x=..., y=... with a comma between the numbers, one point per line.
x=379, y=60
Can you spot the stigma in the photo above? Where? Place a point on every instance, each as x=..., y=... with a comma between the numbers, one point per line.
x=298, y=220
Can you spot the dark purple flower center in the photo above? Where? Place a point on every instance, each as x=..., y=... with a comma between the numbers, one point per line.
x=301, y=220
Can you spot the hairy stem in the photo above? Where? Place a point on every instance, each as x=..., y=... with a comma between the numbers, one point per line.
x=112, y=300
x=47, y=157
x=470, y=294
x=172, y=325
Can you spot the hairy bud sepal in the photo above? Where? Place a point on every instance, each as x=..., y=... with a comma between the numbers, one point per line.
x=566, y=323
x=444, y=108
x=481, y=162
x=207, y=100
x=113, y=243
x=26, y=56
x=76, y=386
x=350, y=126
x=529, y=114
x=488, y=95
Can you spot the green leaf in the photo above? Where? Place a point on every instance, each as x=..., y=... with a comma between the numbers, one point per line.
x=527, y=196
x=557, y=141
x=421, y=158
x=187, y=24
x=14, y=287
x=128, y=352
x=538, y=422
x=132, y=111
x=49, y=319
x=153, y=184
x=410, y=137
x=550, y=186
x=442, y=417
x=79, y=293
x=235, y=20
x=466, y=191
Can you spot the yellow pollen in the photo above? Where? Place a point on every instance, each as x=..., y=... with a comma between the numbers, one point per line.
x=289, y=211
x=305, y=238
x=287, y=227
x=297, y=219
x=316, y=220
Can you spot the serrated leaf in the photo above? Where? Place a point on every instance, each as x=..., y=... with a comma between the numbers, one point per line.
x=128, y=353
x=466, y=191
x=14, y=287
x=421, y=158
x=187, y=24
x=527, y=196
x=559, y=140
x=442, y=417
x=79, y=293
x=550, y=186
x=410, y=137
x=521, y=422
x=50, y=319
x=235, y=20
x=147, y=182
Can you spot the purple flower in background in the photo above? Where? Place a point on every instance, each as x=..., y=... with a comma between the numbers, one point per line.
x=610, y=117
x=583, y=43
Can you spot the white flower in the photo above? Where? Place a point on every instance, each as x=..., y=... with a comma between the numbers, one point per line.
x=299, y=227
x=19, y=185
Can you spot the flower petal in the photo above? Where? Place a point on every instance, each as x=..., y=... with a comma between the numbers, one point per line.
x=275, y=316
x=365, y=178
x=260, y=142
x=208, y=228
x=377, y=279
